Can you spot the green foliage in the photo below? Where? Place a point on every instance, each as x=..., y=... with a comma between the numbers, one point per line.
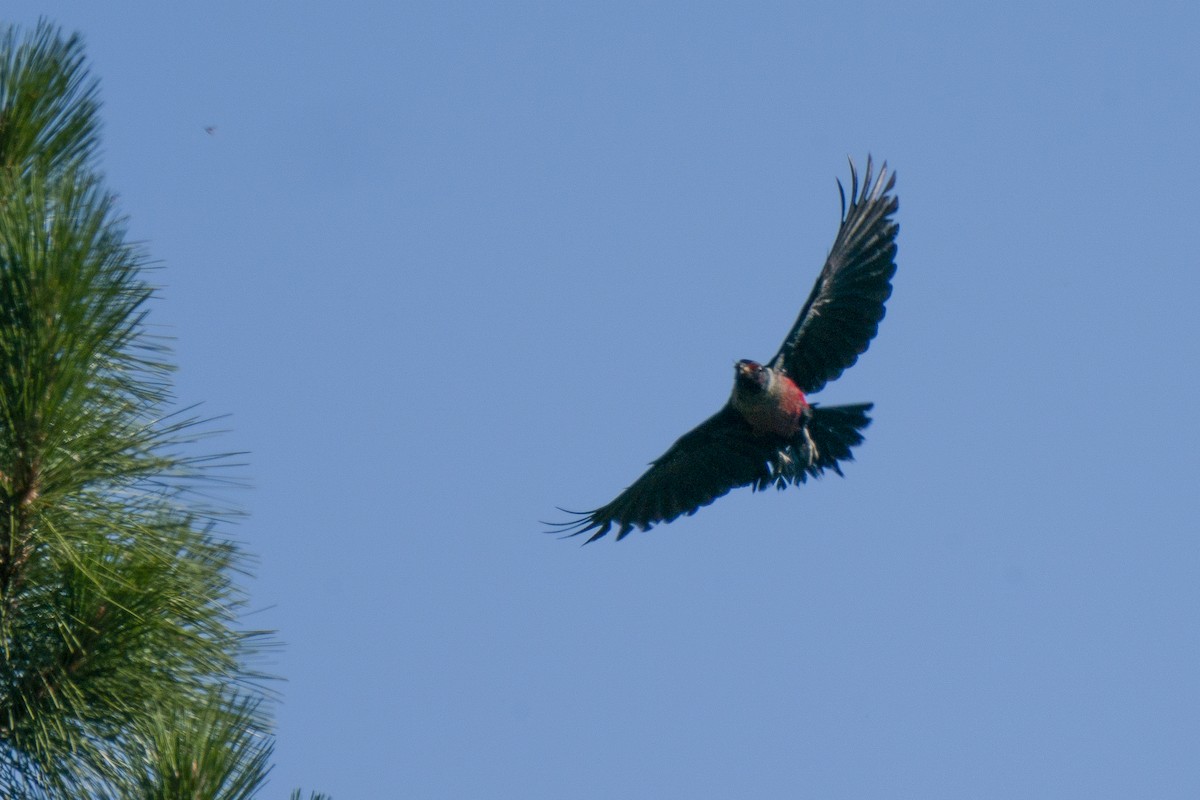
x=123, y=672
x=48, y=104
x=219, y=753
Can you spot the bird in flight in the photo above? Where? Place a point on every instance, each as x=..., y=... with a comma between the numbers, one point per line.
x=768, y=433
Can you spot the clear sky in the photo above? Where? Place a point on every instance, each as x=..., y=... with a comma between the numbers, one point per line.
x=449, y=265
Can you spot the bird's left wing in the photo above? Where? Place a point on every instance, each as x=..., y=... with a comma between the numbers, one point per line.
x=719, y=454
x=842, y=313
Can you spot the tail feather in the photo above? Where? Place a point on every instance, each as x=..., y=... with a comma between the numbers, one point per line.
x=829, y=435
x=833, y=432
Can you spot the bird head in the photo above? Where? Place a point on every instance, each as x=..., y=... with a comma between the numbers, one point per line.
x=750, y=377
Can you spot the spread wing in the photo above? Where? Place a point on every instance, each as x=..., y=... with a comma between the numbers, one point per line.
x=842, y=314
x=719, y=454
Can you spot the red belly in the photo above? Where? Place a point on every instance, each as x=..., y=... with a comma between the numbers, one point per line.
x=778, y=412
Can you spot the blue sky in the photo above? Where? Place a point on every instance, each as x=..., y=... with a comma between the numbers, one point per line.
x=449, y=265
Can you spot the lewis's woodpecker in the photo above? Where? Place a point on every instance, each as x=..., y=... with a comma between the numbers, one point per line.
x=769, y=434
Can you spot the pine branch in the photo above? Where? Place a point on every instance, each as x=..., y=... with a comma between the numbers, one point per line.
x=123, y=668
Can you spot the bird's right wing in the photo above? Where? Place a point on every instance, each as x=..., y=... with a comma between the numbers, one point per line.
x=720, y=454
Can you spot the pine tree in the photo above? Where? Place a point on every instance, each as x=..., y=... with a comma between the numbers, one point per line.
x=124, y=672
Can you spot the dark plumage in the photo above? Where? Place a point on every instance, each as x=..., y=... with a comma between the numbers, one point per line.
x=768, y=433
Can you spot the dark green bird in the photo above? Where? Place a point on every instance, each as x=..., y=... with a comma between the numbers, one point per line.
x=768, y=433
